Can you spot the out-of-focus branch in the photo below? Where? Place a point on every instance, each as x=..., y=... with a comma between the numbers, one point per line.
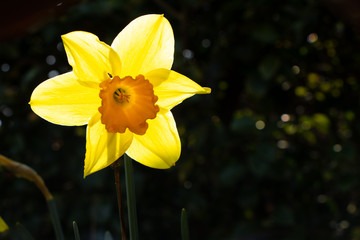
x=24, y=171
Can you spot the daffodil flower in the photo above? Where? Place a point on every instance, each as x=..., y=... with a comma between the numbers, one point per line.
x=123, y=92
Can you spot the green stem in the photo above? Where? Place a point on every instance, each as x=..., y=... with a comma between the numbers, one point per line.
x=76, y=231
x=184, y=226
x=55, y=219
x=131, y=201
x=116, y=167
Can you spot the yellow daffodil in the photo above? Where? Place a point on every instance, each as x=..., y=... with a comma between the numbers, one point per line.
x=123, y=92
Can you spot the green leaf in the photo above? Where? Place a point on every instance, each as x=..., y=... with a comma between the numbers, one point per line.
x=108, y=236
x=184, y=226
x=55, y=219
x=76, y=231
x=22, y=232
x=131, y=200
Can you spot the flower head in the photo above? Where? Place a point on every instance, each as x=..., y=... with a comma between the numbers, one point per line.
x=123, y=92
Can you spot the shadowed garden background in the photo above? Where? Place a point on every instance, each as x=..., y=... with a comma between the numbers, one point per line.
x=271, y=153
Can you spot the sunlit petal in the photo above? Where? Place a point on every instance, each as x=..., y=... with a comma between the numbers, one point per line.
x=172, y=87
x=64, y=100
x=160, y=146
x=145, y=44
x=103, y=148
x=91, y=59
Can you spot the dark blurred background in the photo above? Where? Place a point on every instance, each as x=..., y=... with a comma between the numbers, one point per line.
x=271, y=154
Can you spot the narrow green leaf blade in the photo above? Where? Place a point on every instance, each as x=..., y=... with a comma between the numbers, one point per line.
x=76, y=231
x=108, y=236
x=184, y=225
x=22, y=232
x=55, y=219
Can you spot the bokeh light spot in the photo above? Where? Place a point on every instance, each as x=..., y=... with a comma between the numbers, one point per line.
x=60, y=47
x=50, y=60
x=322, y=198
x=260, y=125
x=312, y=38
x=295, y=69
x=5, y=67
x=8, y=112
x=285, y=117
x=188, y=54
x=205, y=43
x=285, y=86
x=337, y=148
x=283, y=144
x=351, y=208
x=187, y=184
x=53, y=73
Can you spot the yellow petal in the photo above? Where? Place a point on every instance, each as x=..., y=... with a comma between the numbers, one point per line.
x=172, y=87
x=160, y=146
x=3, y=226
x=64, y=100
x=90, y=58
x=103, y=148
x=145, y=44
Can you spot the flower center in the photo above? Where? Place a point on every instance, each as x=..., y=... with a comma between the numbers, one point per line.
x=120, y=96
x=127, y=103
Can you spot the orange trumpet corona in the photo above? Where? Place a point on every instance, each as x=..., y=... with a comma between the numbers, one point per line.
x=127, y=103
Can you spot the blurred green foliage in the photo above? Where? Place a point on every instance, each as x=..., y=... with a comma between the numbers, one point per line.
x=272, y=153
